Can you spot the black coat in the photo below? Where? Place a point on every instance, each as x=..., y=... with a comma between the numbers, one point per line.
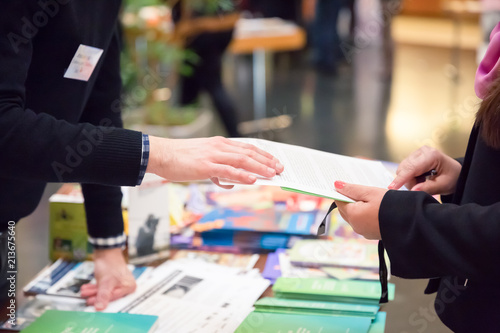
x=456, y=243
x=54, y=129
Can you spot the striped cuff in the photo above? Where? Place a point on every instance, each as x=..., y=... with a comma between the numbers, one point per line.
x=144, y=158
x=109, y=242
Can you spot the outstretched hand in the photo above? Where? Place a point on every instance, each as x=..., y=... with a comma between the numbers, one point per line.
x=362, y=215
x=210, y=158
x=421, y=161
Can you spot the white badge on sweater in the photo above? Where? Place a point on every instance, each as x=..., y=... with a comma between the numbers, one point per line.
x=83, y=63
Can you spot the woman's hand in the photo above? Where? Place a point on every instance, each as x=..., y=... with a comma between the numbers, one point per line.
x=421, y=161
x=362, y=215
x=210, y=158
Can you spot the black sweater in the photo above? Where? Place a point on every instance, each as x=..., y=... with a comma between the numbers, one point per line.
x=456, y=243
x=54, y=129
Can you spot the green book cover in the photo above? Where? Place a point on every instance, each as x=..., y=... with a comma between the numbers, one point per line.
x=378, y=325
x=259, y=322
x=330, y=290
x=68, y=231
x=280, y=305
x=55, y=321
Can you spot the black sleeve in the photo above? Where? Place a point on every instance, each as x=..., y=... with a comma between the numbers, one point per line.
x=448, y=198
x=426, y=239
x=103, y=203
x=35, y=145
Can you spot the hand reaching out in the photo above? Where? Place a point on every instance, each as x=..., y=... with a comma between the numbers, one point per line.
x=421, y=161
x=210, y=158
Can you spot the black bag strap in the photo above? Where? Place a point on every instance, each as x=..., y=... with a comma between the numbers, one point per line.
x=382, y=269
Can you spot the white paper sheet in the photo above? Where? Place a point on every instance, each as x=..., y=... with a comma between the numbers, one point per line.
x=315, y=172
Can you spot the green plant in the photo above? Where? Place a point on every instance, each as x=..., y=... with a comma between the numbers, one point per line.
x=149, y=62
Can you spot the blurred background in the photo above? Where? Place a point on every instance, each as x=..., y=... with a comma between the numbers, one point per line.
x=368, y=78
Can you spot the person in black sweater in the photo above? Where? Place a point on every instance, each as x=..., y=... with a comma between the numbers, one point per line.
x=454, y=243
x=60, y=122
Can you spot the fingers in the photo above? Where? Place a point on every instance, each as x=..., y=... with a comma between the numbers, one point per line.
x=256, y=154
x=240, y=161
x=116, y=294
x=417, y=163
x=231, y=173
x=100, y=295
x=355, y=192
x=88, y=289
x=250, y=147
x=215, y=180
x=104, y=293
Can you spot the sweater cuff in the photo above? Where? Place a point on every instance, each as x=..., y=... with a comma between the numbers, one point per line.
x=144, y=158
x=108, y=242
x=116, y=159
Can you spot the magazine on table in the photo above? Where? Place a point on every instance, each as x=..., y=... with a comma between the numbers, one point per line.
x=65, y=278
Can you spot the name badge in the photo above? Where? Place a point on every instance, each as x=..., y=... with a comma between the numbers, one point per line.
x=83, y=63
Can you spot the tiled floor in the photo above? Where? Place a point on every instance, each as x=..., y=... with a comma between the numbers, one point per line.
x=364, y=110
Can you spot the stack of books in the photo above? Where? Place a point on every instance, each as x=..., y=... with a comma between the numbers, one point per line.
x=279, y=322
x=319, y=304
x=331, y=290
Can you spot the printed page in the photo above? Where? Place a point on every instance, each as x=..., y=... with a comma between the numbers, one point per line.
x=190, y=296
x=315, y=172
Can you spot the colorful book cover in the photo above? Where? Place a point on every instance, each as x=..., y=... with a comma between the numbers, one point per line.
x=272, y=269
x=49, y=276
x=262, y=209
x=55, y=321
x=68, y=225
x=345, y=273
x=257, y=218
x=279, y=323
x=149, y=220
x=65, y=278
x=245, y=261
x=262, y=220
x=292, y=271
x=337, y=253
x=330, y=290
x=68, y=238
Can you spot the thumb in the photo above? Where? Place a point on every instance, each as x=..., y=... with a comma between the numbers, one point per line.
x=104, y=292
x=353, y=191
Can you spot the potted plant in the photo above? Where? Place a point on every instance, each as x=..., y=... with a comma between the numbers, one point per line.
x=150, y=68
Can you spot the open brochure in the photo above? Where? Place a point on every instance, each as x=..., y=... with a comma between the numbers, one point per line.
x=315, y=172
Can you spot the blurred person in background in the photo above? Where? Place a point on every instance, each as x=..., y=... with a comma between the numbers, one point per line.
x=325, y=36
x=206, y=31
